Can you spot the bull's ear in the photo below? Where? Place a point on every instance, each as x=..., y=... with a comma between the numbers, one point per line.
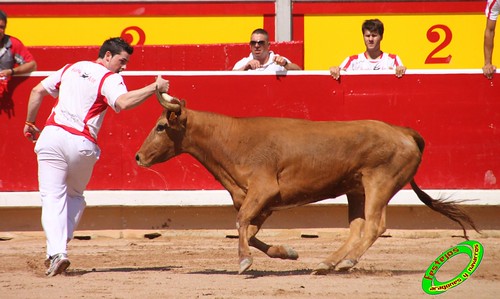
x=176, y=119
x=173, y=120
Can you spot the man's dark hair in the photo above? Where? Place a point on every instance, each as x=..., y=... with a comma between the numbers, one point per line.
x=261, y=31
x=373, y=25
x=115, y=45
x=3, y=16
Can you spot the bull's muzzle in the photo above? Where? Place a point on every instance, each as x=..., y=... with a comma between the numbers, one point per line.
x=139, y=161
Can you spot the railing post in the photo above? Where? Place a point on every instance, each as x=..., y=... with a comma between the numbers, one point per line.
x=283, y=20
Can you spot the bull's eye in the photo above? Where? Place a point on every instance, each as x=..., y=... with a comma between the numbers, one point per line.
x=160, y=128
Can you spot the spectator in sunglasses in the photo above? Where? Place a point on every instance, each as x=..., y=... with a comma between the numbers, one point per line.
x=261, y=58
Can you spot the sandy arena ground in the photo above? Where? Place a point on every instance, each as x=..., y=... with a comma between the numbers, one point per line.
x=204, y=263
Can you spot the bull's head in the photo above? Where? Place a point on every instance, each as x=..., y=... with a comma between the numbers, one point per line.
x=165, y=139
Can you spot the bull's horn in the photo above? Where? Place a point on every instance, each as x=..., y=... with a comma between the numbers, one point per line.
x=166, y=101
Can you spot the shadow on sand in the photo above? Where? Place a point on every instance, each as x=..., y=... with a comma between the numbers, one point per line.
x=80, y=272
x=301, y=272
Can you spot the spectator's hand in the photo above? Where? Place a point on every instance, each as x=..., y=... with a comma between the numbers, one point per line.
x=335, y=72
x=4, y=74
x=400, y=71
x=252, y=65
x=162, y=84
x=489, y=70
x=280, y=60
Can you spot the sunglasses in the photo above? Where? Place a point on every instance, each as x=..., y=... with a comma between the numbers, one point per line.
x=255, y=42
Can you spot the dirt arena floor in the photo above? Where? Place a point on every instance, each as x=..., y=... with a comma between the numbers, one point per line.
x=204, y=263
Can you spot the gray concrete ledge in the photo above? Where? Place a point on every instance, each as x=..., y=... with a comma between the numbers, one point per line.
x=419, y=217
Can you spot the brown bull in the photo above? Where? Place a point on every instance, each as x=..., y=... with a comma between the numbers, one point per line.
x=268, y=164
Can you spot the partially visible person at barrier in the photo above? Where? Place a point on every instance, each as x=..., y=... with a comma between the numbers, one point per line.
x=67, y=148
x=261, y=58
x=373, y=58
x=14, y=56
x=492, y=10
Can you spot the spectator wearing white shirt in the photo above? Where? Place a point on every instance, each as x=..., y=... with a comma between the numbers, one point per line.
x=261, y=58
x=373, y=58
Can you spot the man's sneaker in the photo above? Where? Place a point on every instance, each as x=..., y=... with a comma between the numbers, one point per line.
x=58, y=264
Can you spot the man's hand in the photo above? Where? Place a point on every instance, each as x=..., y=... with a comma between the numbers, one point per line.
x=335, y=72
x=5, y=73
x=280, y=60
x=31, y=131
x=162, y=85
x=489, y=70
x=252, y=65
x=400, y=71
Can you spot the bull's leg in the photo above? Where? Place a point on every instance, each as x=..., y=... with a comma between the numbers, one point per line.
x=382, y=227
x=257, y=198
x=356, y=223
x=380, y=185
x=376, y=200
x=273, y=251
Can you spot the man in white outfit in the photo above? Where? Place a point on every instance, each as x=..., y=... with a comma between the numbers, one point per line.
x=261, y=58
x=67, y=148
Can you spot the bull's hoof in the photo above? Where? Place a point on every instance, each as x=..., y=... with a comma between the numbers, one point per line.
x=323, y=268
x=345, y=265
x=245, y=264
x=291, y=254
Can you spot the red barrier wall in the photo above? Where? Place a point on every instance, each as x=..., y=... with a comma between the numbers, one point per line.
x=216, y=57
x=458, y=115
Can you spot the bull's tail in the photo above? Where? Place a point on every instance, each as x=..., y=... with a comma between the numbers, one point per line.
x=448, y=208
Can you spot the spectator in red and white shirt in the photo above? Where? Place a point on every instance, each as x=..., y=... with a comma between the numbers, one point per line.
x=373, y=58
x=14, y=56
x=491, y=11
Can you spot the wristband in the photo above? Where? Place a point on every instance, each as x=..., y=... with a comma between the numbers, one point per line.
x=12, y=70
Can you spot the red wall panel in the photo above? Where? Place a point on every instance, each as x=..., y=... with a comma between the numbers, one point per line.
x=204, y=8
x=137, y=8
x=385, y=7
x=458, y=115
x=215, y=57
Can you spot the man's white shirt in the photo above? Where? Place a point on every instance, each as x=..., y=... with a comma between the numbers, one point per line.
x=361, y=62
x=270, y=66
x=84, y=90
